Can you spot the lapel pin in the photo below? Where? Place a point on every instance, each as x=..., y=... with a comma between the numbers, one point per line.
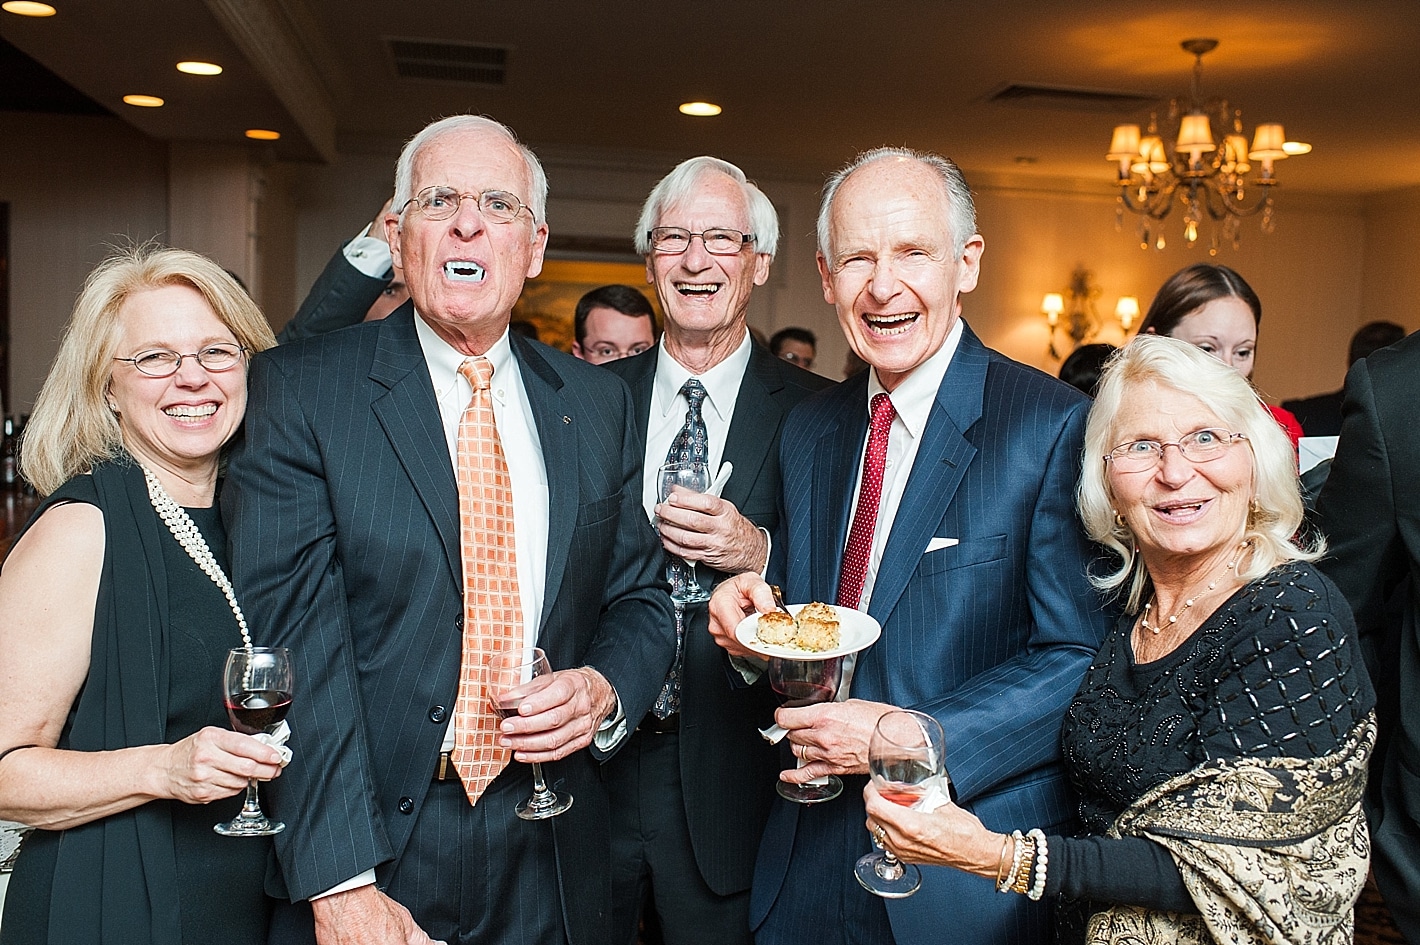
x=566, y=419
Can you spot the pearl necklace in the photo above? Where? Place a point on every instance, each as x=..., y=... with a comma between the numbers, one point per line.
x=1156, y=629
x=185, y=530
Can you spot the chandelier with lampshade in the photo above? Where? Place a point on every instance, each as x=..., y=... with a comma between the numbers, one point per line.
x=1210, y=176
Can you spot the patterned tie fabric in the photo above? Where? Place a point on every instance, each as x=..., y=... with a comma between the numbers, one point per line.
x=691, y=444
x=492, y=608
x=865, y=516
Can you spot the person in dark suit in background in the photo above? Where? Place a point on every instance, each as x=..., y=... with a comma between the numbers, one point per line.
x=344, y=511
x=1369, y=511
x=612, y=322
x=691, y=791
x=1321, y=415
x=795, y=345
x=959, y=536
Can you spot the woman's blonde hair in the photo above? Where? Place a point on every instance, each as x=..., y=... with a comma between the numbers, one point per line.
x=71, y=427
x=1276, y=507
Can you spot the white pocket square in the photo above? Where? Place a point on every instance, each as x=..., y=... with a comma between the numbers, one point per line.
x=937, y=544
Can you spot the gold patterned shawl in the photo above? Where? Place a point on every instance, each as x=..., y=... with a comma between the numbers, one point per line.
x=1274, y=851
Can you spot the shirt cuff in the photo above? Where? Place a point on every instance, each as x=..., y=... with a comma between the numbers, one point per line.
x=750, y=668
x=370, y=255
x=768, y=550
x=611, y=731
x=366, y=878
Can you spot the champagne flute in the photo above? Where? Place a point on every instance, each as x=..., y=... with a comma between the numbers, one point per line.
x=256, y=686
x=693, y=477
x=806, y=682
x=905, y=759
x=507, y=671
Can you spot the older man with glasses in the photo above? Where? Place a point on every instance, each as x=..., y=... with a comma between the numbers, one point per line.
x=691, y=790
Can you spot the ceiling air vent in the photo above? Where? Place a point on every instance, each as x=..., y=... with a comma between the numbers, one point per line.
x=469, y=63
x=1064, y=98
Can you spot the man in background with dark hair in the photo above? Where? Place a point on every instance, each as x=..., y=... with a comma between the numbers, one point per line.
x=795, y=345
x=1321, y=415
x=613, y=322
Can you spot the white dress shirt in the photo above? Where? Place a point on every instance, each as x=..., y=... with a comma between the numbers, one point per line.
x=370, y=255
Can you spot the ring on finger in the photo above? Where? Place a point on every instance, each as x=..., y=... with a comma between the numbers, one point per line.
x=879, y=834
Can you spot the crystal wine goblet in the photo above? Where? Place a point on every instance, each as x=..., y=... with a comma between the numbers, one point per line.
x=256, y=685
x=507, y=671
x=693, y=477
x=806, y=682
x=905, y=759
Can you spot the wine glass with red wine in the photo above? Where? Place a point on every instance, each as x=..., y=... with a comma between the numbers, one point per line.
x=806, y=682
x=906, y=761
x=256, y=686
x=507, y=671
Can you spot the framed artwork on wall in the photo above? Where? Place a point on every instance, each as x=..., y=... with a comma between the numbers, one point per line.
x=549, y=301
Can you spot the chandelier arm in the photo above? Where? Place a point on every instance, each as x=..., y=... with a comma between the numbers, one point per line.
x=1231, y=206
x=1158, y=204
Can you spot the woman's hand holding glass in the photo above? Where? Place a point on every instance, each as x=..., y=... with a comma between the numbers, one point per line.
x=213, y=763
x=948, y=836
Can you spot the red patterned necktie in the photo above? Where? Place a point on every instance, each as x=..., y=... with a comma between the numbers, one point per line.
x=865, y=516
x=493, y=616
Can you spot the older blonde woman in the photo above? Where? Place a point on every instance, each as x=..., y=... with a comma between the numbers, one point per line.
x=115, y=621
x=1219, y=740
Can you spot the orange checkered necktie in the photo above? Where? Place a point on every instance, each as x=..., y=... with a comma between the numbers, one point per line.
x=493, y=617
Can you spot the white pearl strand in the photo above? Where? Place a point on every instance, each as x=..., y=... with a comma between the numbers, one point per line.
x=185, y=530
x=1155, y=630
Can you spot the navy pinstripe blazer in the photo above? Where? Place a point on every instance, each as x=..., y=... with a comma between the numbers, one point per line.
x=991, y=635
x=728, y=771
x=342, y=511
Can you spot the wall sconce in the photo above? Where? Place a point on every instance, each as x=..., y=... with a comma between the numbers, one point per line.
x=1075, y=307
x=1126, y=311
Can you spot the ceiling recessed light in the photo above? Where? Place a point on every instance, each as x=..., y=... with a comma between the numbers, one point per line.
x=193, y=67
x=263, y=134
x=1296, y=147
x=143, y=101
x=27, y=8
x=700, y=109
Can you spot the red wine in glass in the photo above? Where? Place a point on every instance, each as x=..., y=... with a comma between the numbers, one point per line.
x=257, y=711
x=509, y=670
x=807, y=682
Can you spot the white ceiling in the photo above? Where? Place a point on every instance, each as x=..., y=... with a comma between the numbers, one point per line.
x=804, y=83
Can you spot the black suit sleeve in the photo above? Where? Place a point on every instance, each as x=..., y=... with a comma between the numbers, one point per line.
x=340, y=297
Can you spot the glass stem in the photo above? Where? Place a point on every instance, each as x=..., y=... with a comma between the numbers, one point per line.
x=889, y=868
x=251, y=809
x=694, y=585
x=542, y=797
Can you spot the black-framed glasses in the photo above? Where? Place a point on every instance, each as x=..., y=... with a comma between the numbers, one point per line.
x=440, y=203
x=160, y=362
x=673, y=240
x=1200, y=446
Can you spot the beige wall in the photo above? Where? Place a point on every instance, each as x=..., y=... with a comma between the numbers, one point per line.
x=1390, y=285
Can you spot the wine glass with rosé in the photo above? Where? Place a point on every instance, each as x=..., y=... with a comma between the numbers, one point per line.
x=807, y=682
x=906, y=758
x=508, y=671
x=256, y=686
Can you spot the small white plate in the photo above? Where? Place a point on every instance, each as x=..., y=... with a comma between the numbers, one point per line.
x=856, y=630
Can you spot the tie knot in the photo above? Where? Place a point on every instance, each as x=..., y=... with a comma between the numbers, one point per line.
x=694, y=393
x=883, y=411
x=478, y=372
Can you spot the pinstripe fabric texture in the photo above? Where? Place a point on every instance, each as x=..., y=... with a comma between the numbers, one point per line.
x=990, y=635
x=493, y=616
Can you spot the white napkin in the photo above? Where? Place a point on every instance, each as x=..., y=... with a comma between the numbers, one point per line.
x=935, y=797
x=277, y=739
x=722, y=477
x=774, y=734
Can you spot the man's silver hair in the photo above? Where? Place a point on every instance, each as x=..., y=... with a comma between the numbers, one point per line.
x=404, y=167
x=961, y=209
x=680, y=183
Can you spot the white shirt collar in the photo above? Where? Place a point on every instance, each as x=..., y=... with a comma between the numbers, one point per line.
x=721, y=382
x=444, y=359
x=914, y=396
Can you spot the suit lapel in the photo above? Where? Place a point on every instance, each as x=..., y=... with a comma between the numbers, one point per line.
x=751, y=434
x=555, y=420
x=941, y=463
x=410, y=418
x=835, y=471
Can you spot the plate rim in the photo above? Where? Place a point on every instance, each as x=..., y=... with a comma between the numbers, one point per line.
x=772, y=651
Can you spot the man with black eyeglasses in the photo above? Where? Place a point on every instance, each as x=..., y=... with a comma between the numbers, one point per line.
x=691, y=790
x=612, y=322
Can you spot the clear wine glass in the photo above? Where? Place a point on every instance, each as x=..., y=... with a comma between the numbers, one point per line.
x=507, y=671
x=256, y=686
x=905, y=759
x=806, y=682
x=692, y=477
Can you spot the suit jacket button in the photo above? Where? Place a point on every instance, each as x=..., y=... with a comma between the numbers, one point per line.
x=406, y=805
x=458, y=623
x=438, y=714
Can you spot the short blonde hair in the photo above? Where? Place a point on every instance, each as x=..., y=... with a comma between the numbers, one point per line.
x=1276, y=507
x=71, y=427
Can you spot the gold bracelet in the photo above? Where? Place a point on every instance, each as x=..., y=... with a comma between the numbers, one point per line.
x=1020, y=882
x=1006, y=844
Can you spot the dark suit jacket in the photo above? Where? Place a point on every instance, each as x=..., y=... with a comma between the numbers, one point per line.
x=1369, y=511
x=1319, y=415
x=727, y=769
x=340, y=296
x=342, y=511
x=991, y=635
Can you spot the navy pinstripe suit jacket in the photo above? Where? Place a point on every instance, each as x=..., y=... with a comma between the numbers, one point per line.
x=991, y=635
x=342, y=511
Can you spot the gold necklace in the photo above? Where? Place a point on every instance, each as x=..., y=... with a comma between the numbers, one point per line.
x=1156, y=629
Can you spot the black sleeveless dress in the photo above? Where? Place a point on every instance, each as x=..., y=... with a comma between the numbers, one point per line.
x=219, y=879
